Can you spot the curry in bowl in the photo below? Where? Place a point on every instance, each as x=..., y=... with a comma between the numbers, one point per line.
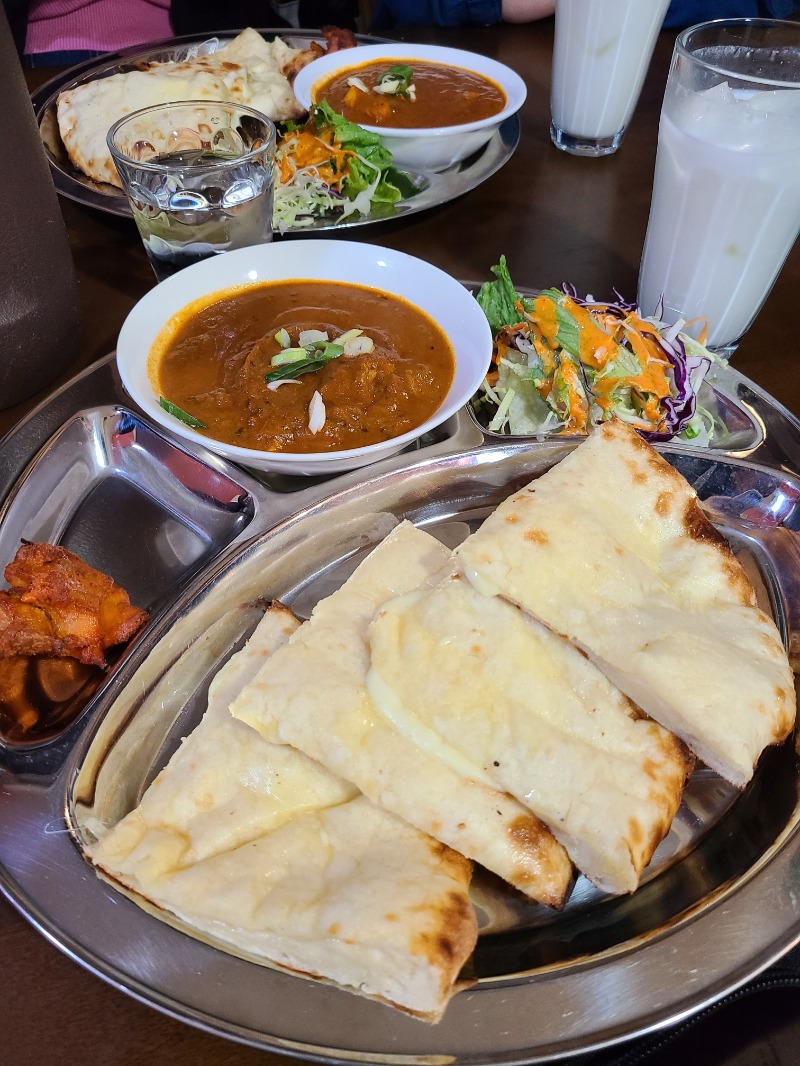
x=425, y=127
x=412, y=299
x=302, y=366
x=410, y=94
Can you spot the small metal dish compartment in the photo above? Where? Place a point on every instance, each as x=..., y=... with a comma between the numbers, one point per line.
x=708, y=916
x=131, y=503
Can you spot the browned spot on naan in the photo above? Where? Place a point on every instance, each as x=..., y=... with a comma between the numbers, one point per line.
x=451, y=936
x=700, y=529
x=536, y=843
x=662, y=503
x=536, y=536
x=636, y=834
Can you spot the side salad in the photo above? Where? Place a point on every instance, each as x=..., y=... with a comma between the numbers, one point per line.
x=563, y=364
x=329, y=166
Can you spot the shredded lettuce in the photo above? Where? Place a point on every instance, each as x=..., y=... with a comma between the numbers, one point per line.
x=498, y=299
x=332, y=168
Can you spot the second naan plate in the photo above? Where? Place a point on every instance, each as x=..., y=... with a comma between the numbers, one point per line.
x=434, y=188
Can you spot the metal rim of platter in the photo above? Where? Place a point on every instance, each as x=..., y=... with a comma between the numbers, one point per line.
x=708, y=916
x=434, y=188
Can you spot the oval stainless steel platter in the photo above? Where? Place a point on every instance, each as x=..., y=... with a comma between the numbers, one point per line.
x=719, y=902
x=434, y=188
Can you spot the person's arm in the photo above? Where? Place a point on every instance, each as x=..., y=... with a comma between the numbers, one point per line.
x=526, y=10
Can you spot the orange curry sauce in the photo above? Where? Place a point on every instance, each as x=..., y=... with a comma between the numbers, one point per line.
x=444, y=96
x=212, y=358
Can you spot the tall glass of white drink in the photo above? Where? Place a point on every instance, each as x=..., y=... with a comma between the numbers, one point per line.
x=601, y=53
x=726, y=195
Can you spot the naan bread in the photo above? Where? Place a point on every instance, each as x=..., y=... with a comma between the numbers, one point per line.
x=542, y=722
x=259, y=849
x=248, y=70
x=312, y=694
x=611, y=548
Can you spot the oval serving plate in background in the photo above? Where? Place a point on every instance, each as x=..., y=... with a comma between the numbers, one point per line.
x=434, y=188
x=707, y=916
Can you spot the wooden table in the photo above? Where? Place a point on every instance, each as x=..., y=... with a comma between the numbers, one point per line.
x=556, y=218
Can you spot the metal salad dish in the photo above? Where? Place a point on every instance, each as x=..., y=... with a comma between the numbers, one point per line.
x=433, y=188
x=718, y=903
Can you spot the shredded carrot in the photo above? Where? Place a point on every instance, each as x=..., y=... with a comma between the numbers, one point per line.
x=318, y=150
x=702, y=336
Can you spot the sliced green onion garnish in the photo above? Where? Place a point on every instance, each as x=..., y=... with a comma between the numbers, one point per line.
x=181, y=415
x=315, y=353
x=311, y=336
x=283, y=338
x=325, y=349
x=289, y=355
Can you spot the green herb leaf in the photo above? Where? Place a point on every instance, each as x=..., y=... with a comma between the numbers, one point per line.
x=181, y=415
x=498, y=298
x=348, y=134
x=396, y=80
x=402, y=182
x=294, y=370
x=289, y=355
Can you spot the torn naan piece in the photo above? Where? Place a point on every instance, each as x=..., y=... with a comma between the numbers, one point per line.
x=248, y=70
x=542, y=722
x=259, y=849
x=312, y=694
x=611, y=548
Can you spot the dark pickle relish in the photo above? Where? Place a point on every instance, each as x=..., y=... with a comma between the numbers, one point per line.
x=40, y=696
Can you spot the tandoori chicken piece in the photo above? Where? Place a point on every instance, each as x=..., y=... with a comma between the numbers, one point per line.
x=58, y=605
x=336, y=38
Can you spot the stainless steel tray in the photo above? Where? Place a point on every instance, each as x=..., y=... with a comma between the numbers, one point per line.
x=709, y=915
x=434, y=187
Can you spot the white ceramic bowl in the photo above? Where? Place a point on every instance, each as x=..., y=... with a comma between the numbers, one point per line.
x=443, y=298
x=422, y=149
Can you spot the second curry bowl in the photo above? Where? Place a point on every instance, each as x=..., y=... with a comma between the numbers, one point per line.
x=432, y=106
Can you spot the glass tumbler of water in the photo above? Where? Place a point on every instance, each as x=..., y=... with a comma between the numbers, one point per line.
x=601, y=53
x=725, y=209
x=199, y=179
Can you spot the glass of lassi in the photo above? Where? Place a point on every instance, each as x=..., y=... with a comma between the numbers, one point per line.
x=725, y=210
x=601, y=53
